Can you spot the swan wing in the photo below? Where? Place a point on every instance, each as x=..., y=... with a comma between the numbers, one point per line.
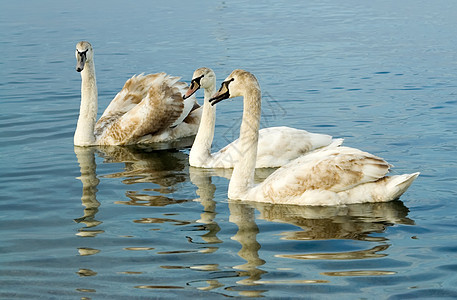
x=335, y=170
x=147, y=104
x=190, y=103
x=133, y=92
x=277, y=146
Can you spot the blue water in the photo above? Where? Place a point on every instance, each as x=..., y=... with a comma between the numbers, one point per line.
x=123, y=223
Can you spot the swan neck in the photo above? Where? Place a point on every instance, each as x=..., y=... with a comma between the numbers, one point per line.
x=201, y=148
x=84, y=134
x=243, y=173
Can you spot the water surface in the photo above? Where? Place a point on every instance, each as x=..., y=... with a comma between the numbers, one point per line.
x=117, y=223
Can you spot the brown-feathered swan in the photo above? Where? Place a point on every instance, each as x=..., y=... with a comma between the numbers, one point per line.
x=148, y=109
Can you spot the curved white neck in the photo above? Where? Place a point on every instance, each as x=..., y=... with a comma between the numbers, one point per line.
x=84, y=134
x=243, y=173
x=201, y=148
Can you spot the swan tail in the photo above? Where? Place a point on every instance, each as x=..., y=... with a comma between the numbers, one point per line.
x=335, y=143
x=399, y=184
x=319, y=140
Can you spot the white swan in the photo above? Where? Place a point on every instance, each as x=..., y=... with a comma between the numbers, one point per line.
x=277, y=145
x=148, y=109
x=339, y=175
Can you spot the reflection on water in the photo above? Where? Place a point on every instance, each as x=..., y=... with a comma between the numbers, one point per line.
x=205, y=235
x=355, y=221
x=86, y=160
x=205, y=190
x=165, y=168
x=142, y=164
x=337, y=67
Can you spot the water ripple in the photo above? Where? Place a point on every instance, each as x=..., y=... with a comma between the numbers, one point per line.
x=120, y=223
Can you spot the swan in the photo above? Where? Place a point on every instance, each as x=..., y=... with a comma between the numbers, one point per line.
x=333, y=176
x=148, y=109
x=292, y=142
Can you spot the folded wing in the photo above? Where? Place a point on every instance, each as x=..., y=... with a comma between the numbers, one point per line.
x=334, y=170
x=147, y=104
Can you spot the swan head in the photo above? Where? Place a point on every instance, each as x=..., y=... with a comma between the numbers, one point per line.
x=202, y=78
x=84, y=53
x=238, y=83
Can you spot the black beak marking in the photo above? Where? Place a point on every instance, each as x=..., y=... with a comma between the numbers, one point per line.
x=219, y=98
x=221, y=95
x=82, y=60
x=194, y=86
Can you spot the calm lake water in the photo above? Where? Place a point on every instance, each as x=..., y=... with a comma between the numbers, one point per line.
x=138, y=223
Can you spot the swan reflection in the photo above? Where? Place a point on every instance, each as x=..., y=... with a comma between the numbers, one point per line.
x=143, y=164
x=205, y=190
x=360, y=222
x=163, y=167
x=204, y=236
x=90, y=181
x=355, y=221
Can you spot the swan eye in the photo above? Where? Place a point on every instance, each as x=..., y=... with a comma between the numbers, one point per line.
x=82, y=53
x=222, y=94
x=195, y=83
x=197, y=80
x=81, y=60
x=225, y=84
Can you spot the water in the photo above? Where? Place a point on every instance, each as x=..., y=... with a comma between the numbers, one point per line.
x=117, y=223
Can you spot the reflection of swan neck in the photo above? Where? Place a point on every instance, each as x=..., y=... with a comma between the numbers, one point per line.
x=84, y=134
x=201, y=148
x=206, y=191
x=243, y=172
x=243, y=216
x=86, y=160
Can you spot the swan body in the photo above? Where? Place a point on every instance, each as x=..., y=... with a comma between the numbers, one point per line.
x=148, y=109
x=331, y=176
x=277, y=145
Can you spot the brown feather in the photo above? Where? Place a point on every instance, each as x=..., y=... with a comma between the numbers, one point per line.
x=145, y=105
x=336, y=172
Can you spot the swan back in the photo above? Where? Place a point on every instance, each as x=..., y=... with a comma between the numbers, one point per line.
x=315, y=179
x=279, y=145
